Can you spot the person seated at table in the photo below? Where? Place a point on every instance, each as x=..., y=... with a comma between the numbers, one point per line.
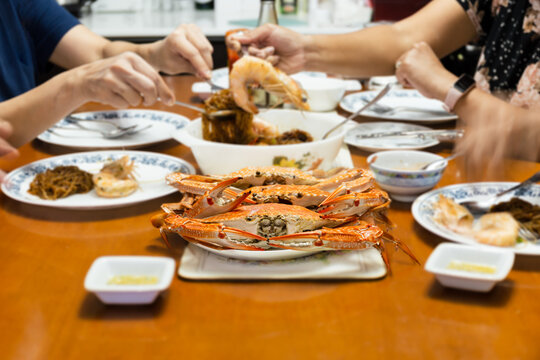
x=499, y=107
x=115, y=73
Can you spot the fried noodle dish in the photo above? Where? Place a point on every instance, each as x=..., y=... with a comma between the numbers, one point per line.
x=60, y=182
x=243, y=127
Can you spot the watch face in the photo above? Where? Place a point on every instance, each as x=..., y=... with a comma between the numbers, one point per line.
x=464, y=83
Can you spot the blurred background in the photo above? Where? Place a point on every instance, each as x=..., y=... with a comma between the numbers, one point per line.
x=148, y=20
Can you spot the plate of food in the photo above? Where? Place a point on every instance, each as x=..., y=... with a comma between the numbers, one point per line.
x=355, y=137
x=94, y=180
x=156, y=126
x=439, y=212
x=399, y=104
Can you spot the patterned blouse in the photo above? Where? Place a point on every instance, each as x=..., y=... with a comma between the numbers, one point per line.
x=509, y=33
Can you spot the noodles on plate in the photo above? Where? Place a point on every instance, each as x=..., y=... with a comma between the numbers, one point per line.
x=60, y=182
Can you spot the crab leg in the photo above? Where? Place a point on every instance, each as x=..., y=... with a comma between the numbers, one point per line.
x=359, y=180
x=355, y=203
x=217, y=235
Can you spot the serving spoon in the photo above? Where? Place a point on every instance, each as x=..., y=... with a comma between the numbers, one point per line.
x=377, y=97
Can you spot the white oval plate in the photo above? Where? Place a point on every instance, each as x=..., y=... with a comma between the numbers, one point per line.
x=399, y=97
x=265, y=255
x=163, y=125
x=391, y=142
x=422, y=209
x=150, y=172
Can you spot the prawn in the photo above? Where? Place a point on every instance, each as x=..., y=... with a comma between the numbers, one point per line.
x=116, y=179
x=251, y=70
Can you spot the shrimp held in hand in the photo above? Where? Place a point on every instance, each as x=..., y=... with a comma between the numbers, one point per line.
x=116, y=179
x=250, y=70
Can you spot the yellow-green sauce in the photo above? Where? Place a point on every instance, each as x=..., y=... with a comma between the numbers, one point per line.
x=132, y=280
x=470, y=267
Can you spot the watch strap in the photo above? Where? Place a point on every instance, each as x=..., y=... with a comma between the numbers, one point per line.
x=457, y=91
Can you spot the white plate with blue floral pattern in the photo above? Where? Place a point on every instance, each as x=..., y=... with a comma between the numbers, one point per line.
x=423, y=209
x=150, y=172
x=160, y=125
x=433, y=113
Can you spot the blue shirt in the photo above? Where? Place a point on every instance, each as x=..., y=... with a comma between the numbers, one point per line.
x=29, y=33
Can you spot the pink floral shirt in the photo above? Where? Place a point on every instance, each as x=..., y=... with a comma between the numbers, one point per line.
x=509, y=33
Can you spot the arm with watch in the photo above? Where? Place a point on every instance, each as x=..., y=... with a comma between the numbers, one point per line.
x=494, y=128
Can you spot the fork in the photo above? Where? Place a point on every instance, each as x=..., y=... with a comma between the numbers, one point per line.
x=483, y=206
x=75, y=120
x=108, y=134
x=527, y=234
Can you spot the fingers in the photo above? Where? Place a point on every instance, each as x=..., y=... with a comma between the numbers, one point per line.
x=6, y=148
x=255, y=36
x=263, y=53
x=193, y=46
x=149, y=83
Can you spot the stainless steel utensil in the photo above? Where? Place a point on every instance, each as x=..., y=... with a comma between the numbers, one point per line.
x=377, y=97
x=483, y=206
x=215, y=114
x=381, y=109
x=435, y=164
x=109, y=134
x=442, y=135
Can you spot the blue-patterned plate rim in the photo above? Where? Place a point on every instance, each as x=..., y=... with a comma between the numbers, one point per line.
x=176, y=121
x=11, y=186
x=348, y=104
x=422, y=209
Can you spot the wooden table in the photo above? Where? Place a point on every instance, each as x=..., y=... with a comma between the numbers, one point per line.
x=45, y=313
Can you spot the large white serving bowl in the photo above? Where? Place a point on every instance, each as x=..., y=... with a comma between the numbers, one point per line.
x=398, y=172
x=220, y=158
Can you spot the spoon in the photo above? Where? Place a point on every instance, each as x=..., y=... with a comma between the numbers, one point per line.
x=483, y=206
x=377, y=97
x=215, y=114
x=434, y=164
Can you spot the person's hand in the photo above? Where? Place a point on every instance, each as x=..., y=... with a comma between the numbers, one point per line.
x=5, y=147
x=505, y=132
x=421, y=69
x=185, y=50
x=120, y=81
x=282, y=47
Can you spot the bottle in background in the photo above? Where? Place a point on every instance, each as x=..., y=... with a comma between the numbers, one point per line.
x=267, y=13
x=204, y=4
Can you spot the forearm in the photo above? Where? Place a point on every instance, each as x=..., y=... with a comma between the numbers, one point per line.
x=146, y=51
x=364, y=53
x=442, y=24
x=36, y=110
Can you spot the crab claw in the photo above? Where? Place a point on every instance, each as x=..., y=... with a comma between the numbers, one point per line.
x=212, y=202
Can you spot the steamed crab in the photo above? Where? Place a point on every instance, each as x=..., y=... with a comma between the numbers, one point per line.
x=274, y=207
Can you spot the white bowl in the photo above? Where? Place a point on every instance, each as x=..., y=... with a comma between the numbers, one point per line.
x=323, y=94
x=499, y=259
x=106, y=267
x=220, y=158
x=397, y=172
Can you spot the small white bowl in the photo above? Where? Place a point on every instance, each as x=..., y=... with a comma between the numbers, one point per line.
x=106, y=267
x=323, y=93
x=220, y=158
x=398, y=172
x=440, y=259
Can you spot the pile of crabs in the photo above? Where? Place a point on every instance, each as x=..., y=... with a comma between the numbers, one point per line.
x=263, y=208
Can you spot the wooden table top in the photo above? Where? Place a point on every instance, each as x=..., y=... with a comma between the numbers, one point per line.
x=45, y=312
